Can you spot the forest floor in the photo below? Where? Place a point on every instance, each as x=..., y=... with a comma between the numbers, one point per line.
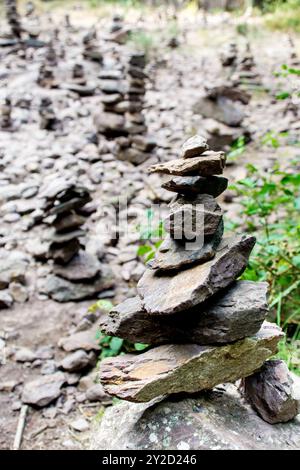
x=30, y=156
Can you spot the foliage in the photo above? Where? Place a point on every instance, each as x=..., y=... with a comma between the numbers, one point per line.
x=153, y=234
x=285, y=15
x=271, y=203
x=110, y=345
x=237, y=148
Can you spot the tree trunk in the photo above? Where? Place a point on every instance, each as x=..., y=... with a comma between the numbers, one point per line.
x=13, y=17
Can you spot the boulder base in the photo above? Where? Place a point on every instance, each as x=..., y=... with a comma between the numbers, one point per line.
x=215, y=420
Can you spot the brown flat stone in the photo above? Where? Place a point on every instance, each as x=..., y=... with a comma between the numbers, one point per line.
x=210, y=163
x=168, y=294
x=189, y=368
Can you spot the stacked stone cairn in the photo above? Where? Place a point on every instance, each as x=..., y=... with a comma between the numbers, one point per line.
x=77, y=274
x=63, y=211
x=48, y=119
x=204, y=326
x=91, y=49
x=5, y=115
x=78, y=83
x=46, y=77
x=13, y=18
x=246, y=75
x=123, y=103
x=229, y=55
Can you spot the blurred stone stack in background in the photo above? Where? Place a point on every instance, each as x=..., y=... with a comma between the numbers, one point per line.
x=122, y=118
x=13, y=18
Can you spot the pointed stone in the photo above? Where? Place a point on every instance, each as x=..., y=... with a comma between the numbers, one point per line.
x=189, y=368
x=210, y=163
x=228, y=317
x=194, y=147
x=174, y=255
x=195, y=216
x=190, y=185
x=167, y=294
x=270, y=393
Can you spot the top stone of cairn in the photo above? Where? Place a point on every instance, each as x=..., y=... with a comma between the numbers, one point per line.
x=194, y=147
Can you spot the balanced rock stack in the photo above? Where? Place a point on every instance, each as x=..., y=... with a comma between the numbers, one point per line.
x=91, y=47
x=64, y=201
x=48, y=119
x=78, y=84
x=5, y=115
x=46, y=76
x=246, y=75
x=76, y=274
x=204, y=326
x=229, y=55
x=13, y=18
x=123, y=118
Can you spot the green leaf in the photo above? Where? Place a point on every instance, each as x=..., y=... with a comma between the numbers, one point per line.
x=140, y=346
x=143, y=250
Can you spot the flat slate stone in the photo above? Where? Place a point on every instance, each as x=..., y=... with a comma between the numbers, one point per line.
x=210, y=163
x=167, y=294
x=191, y=185
x=63, y=290
x=188, y=368
x=194, y=147
x=216, y=420
x=43, y=390
x=270, y=392
x=197, y=216
x=83, y=267
x=229, y=316
x=174, y=255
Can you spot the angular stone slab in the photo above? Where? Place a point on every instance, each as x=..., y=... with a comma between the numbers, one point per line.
x=195, y=216
x=173, y=255
x=63, y=290
x=217, y=420
x=270, y=392
x=189, y=368
x=83, y=267
x=228, y=317
x=210, y=163
x=191, y=185
x=194, y=147
x=167, y=294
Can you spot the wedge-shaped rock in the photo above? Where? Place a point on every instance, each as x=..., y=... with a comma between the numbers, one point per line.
x=270, y=392
x=167, y=294
x=189, y=368
x=191, y=185
x=210, y=163
x=193, y=217
x=226, y=318
x=194, y=147
x=173, y=255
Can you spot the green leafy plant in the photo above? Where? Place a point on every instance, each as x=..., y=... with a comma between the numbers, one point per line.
x=153, y=235
x=237, y=148
x=270, y=208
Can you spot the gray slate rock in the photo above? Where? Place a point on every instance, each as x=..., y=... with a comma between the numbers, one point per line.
x=194, y=147
x=214, y=420
x=270, y=391
x=82, y=267
x=228, y=317
x=210, y=163
x=13, y=266
x=222, y=109
x=43, y=390
x=190, y=217
x=190, y=368
x=6, y=300
x=167, y=294
x=192, y=185
x=63, y=290
x=78, y=360
x=174, y=255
